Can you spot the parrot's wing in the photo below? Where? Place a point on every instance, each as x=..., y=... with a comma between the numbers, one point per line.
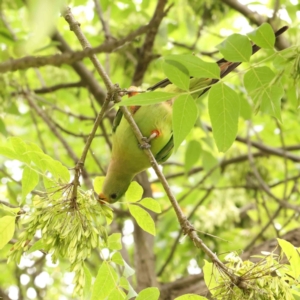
x=160, y=84
x=117, y=120
x=165, y=152
x=119, y=116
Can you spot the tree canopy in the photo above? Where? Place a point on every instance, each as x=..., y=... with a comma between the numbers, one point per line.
x=219, y=219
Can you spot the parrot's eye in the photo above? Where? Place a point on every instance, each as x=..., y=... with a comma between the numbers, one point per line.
x=113, y=196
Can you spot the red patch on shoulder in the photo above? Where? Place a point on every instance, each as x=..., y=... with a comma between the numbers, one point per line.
x=156, y=132
x=131, y=94
x=133, y=109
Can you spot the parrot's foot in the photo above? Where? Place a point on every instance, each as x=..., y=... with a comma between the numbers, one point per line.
x=145, y=145
x=154, y=134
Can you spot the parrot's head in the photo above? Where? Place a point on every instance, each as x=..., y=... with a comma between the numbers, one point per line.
x=114, y=187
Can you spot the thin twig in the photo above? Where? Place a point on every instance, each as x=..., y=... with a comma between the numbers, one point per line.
x=6, y=23
x=145, y=56
x=196, y=186
x=102, y=126
x=267, y=149
x=175, y=243
x=275, y=11
x=113, y=91
x=262, y=183
x=60, y=86
x=101, y=18
x=8, y=204
x=75, y=26
x=285, y=159
x=69, y=57
x=80, y=135
x=270, y=221
x=223, y=164
x=38, y=132
x=41, y=113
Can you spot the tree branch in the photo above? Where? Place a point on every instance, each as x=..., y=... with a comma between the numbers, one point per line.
x=255, y=18
x=145, y=56
x=69, y=57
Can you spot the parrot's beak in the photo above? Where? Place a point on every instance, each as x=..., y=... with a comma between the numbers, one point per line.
x=102, y=198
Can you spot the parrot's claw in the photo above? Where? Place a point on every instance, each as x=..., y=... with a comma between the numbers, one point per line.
x=145, y=145
x=153, y=135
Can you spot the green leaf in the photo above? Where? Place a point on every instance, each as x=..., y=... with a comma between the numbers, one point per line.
x=20, y=148
x=147, y=98
x=151, y=204
x=128, y=271
x=114, y=241
x=258, y=79
x=143, y=218
x=51, y=187
x=293, y=98
x=292, y=255
x=7, y=229
x=271, y=101
x=57, y=169
x=131, y=292
x=87, y=282
x=30, y=179
x=36, y=246
x=151, y=293
x=105, y=282
x=184, y=116
x=134, y=192
x=190, y=297
x=267, y=96
x=98, y=183
x=209, y=162
x=38, y=158
x=245, y=108
x=196, y=66
x=223, y=106
x=192, y=154
x=263, y=36
x=8, y=152
x=177, y=74
x=3, y=128
x=117, y=258
x=124, y=284
x=211, y=276
x=12, y=210
x=236, y=48
x=117, y=294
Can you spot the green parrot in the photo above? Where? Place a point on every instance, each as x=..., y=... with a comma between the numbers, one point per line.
x=127, y=157
x=155, y=123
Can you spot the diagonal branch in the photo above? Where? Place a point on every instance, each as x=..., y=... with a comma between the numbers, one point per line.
x=184, y=223
x=86, y=76
x=255, y=18
x=262, y=183
x=146, y=56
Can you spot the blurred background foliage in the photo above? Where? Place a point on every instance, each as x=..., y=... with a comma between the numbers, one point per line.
x=235, y=209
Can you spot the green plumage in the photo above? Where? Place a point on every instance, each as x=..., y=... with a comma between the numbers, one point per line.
x=127, y=158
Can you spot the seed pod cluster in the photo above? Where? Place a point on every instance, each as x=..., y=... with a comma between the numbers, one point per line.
x=70, y=230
